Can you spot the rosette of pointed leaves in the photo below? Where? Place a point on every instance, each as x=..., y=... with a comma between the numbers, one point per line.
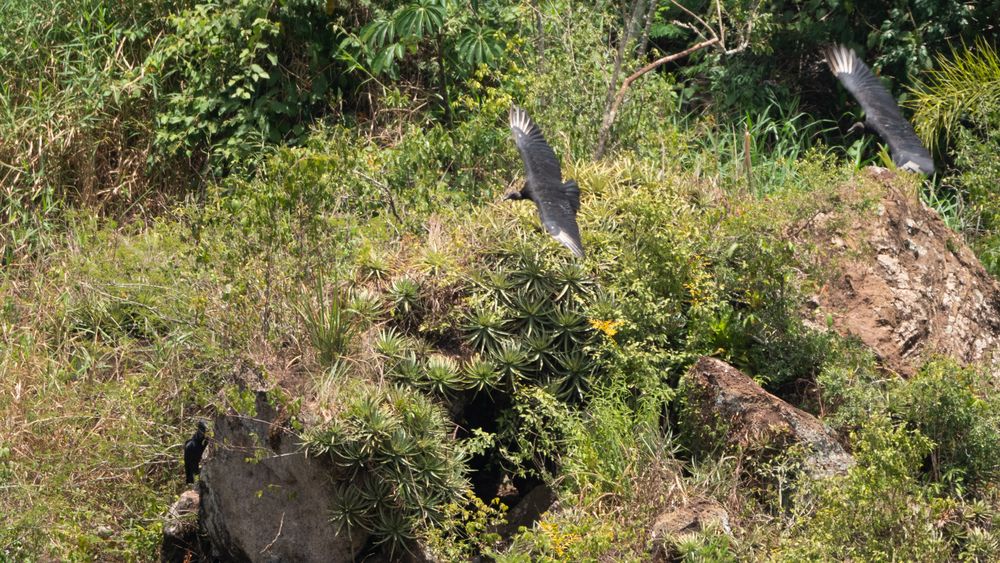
x=405, y=299
x=441, y=375
x=398, y=464
x=480, y=375
x=484, y=328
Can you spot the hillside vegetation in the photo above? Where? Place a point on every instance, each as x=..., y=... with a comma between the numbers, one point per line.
x=200, y=200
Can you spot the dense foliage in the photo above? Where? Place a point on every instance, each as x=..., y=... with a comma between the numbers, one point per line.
x=198, y=198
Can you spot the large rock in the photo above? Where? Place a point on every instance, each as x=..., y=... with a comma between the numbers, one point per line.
x=262, y=499
x=180, y=530
x=906, y=285
x=680, y=523
x=724, y=404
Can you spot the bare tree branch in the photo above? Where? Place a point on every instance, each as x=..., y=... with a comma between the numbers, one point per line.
x=629, y=18
x=609, y=116
x=704, y=24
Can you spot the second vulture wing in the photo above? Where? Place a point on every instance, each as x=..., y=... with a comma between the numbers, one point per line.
x=881, y=111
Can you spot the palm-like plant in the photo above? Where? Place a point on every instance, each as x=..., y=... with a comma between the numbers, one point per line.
x=400, y=447
x=373, y=265
x=393, y=528
x=570, y=279
x=349, y=508
x=435, y=262
x=568, y=327
x=404, y=296
x=529, y=272
x=375, y=423
x=390, y=344
x=328, y=322
x=511, y=361
x=539, y=350
x=575, y=371
x=408, y=370
x=484, y=328
x=402, y=465
x=500, y=282
x=366, y=305
x=480, y=375
x=441, y=375
x=530, y=313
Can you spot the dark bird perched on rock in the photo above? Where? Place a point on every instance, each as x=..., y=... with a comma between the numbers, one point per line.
x=881, y=111
x=193, y=449
x=557, y=202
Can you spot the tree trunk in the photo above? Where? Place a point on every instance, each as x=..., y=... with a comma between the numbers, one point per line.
x=628, y=24
x=650, y=16
x=443, y=82
x=539, y=37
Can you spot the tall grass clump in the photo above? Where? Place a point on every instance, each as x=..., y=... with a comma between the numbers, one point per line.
x=73, y=123
x=107, y=355
x=957, y=109
x=966, y=85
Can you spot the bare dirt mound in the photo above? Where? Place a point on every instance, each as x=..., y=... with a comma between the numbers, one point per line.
x=906, y=284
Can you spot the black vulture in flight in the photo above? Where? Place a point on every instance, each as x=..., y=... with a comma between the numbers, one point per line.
x=557, y=202
x=193, y=449
x=881, y=112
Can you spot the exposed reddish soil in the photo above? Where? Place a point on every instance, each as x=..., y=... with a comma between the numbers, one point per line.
x=907, y=285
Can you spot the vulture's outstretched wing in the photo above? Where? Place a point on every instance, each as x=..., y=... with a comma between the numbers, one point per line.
x=881, y=111
x=540, y=162
x=557, y=209
x=557, y=202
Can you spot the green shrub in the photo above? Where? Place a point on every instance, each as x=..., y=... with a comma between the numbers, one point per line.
x=958, y=108
x=238, y=74
x=956, y=409
x=877, y=512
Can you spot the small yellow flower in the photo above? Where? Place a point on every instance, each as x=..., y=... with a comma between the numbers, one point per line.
x=609, y=328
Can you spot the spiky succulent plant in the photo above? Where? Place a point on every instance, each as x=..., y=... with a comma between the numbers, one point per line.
x=435, y=262
x=530, y=313
x=569, y=327
x=574, y=373
x=441, y=375
x=366, y=305
x=408, y=370
x=484, y=328
x=390, y=344
x=405, y=465
x=570, y=279
x=480, y=375
x=528, y=272
x=539, y=349
x=499, y=282
x=393, y=528
x=328, y=321
x=349, y=508
x=404, y=296
x=511, y=361
x=373, y=265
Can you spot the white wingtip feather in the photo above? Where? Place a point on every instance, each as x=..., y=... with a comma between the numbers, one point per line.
x=841, y=59
x=569, y=243
x=519, y=120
